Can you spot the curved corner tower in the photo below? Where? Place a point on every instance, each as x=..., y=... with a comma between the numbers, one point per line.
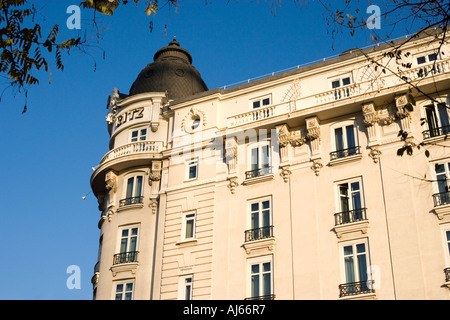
x=127, y=180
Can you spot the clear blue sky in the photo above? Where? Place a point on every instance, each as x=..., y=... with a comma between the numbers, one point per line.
x=47, y=153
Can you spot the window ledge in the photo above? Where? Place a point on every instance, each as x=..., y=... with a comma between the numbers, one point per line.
x=442, y=211
x=266, y=244
x=435, y=139
x=130, y=206
x=352, y=228
x=345, y=159
x=124, y=267
x=363, y=296
x=254, y=180
x=186, y=242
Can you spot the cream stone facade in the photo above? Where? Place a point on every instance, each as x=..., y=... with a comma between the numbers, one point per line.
x=288, y=187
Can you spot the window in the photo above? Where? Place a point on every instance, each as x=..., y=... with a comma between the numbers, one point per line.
x=340, y=82
x=195, y=123
x=261, y=279
x=192, y=169
x=355, y=258
x=427, y=58
x=189, y=226
x=436, y=120
x=345, y=142
x=350, y=202
x=124, y=291
x=138, y=135
x=260, y=220
x=187, y=287
x=261, y=102
x=340, y=85
x=128, y=246
x=259, y=161
x=442, y=196
x=133, y=193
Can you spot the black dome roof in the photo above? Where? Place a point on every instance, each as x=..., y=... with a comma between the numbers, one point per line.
x=171, y=71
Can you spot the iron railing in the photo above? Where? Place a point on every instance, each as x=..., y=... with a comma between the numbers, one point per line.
x=356, y=288
x=345, y=153
x=265, y=297
x=442, y=198
x=447, y=274
x=258, y=233
x=427, y=134
x=258, y=172
x=125, y=257
x=350, y=216
x=129, y=201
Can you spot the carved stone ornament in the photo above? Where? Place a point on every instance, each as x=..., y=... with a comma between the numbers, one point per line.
x=317, y=165
x=154, y=176
x=232, y=185
x=153, y=205
x=400, y=103
x=112, y=106
x=369, y=113
x=375, y=154
x=111, y=182
x=284, y=136
x=193, y=114
x=285, y=173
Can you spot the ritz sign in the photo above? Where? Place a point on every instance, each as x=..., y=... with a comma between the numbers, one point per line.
x=129, y=115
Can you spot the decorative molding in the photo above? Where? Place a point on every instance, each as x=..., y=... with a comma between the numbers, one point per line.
x=126, y=267
x=111, y=182
x=375, y=154
x=285, y=173
x=193, y=114
x=257, y=247
x=317, y=166
x=351, y=229
x=233, y=184
x=153, y=204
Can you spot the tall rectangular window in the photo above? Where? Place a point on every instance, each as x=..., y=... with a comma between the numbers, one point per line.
x=442, y=183
x=261, y=280
x=189, y=226
x=345, y=142
x=192, y=169
x=436, y=120
x=260, y=160
x=186, y=287
x=134, y=187
x=350, y=202
x=260, y=220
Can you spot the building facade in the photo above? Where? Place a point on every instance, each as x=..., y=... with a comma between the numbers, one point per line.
x=287, y=187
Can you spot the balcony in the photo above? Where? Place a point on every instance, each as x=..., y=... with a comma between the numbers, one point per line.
x=131, y=201
x=441, y=199
x=259, y=233
x=356, y=289
x=125, y=257
x=339, y=154
x=258, y=172
x=251, y=116
x=447, y=274
x=436, y=132
x=140, y=147
x=350, y=216
x=265, y=297
x=338, y=94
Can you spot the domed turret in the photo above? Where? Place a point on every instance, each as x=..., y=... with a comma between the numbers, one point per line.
x=171, y=71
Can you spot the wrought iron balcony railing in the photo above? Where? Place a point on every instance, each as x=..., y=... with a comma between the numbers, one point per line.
x=265, y=297
x=125, y=257
x=350, y=216
x=427, y=134
x=447, y=274
x=259, y=233
x=258, y=172
x=128, y=201
x=356, y=288
x=344, y=153
x=442, y=198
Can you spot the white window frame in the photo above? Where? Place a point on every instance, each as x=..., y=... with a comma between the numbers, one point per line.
x=259, y=261
x=342, y=256
x=338, y=193
x=124, y=283
x=343, y=125
x=139, y=134
x=340, y=78
x=189, y=216
x=426, y=55
x=260, y=211
x=133, y=176
x=261, y=100
x=259, y=145
x=446, y=243
x=437, y=114
x=446, y=164
x=189, y=164
x=120, y=237
x=186, y=281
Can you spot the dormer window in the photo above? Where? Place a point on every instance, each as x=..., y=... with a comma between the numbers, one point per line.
x=138, y=135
